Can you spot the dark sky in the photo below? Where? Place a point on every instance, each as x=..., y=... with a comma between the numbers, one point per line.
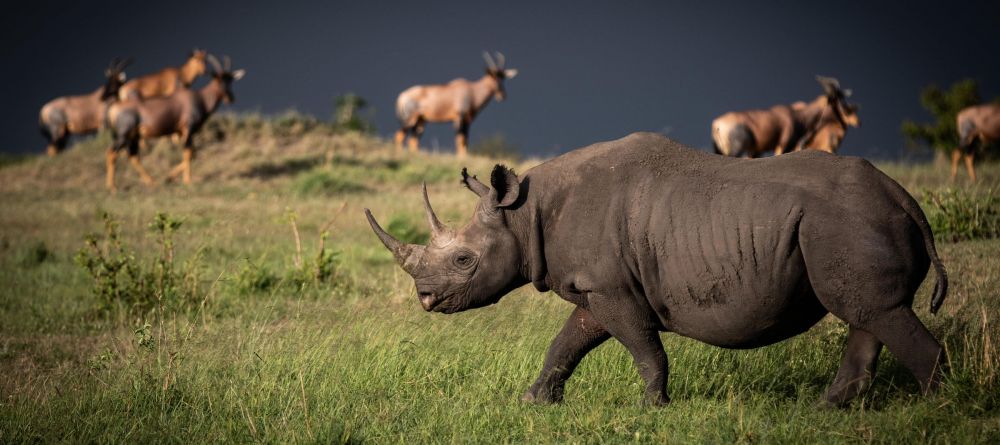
x=589, y=71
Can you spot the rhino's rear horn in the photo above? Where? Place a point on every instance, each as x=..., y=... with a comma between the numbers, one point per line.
x=407, y=255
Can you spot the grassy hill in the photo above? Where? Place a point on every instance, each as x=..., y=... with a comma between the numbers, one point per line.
x=221, y=312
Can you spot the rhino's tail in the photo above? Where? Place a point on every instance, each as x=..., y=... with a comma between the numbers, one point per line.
x=912, y=208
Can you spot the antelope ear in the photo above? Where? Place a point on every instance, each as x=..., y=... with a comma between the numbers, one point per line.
x=506, y=186
x=238, y=74
x=509, y=74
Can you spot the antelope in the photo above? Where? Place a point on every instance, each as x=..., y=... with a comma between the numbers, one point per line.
x=67, y=115
x=165, y=81
x=181, y=113
x=832, y=128
x=976, y=123
x=458, y=102
x=780, y=128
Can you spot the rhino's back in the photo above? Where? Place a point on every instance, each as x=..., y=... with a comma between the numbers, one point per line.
x=712, y=242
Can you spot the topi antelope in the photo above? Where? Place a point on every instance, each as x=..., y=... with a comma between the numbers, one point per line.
x=977, y=123
x=832, y=128
x=165, y=81
x=780, y=128
x=458, y=102
x=181, y=113
x=67, y=115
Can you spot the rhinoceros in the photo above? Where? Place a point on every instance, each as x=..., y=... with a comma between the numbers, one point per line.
x=644, y=235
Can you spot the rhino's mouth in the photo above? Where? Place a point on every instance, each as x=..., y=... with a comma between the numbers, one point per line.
x=429, y=300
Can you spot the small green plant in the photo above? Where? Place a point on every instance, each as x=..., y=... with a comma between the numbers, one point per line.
x=322, y=266
x=957, y=214
x=101, y=361
x=144, y=337
x=123, y=282
x=254, y=278
x=322, y=181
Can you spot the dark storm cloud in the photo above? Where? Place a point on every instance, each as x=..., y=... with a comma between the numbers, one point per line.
x=590, y=71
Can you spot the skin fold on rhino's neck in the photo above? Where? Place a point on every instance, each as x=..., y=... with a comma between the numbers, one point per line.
x=522, y=221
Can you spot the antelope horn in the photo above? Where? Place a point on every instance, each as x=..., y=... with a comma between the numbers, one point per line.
x=489, y=61
x=227, y=63
x=439, y=231
x=215, y=63
x=501, y=60
x=407, y=255
x=122, y=64
x=830, y=84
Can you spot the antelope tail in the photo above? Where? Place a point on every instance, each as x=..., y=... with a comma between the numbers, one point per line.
x=52, y=124
x=405, y=109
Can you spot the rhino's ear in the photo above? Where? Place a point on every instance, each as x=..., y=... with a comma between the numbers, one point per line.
x=506, y=187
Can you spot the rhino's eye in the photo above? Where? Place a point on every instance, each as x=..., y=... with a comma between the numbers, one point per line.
x=464, y=260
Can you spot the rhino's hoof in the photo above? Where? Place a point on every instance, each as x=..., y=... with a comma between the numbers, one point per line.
x=825, y=403
x=656, y=400
x=539, y=399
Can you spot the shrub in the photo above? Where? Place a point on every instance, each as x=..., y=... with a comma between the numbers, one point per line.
x=321, y=267
x=254, y=277
x=957, y=214
x=123, y=282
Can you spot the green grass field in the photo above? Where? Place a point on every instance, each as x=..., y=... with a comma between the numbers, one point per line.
x=228, y=332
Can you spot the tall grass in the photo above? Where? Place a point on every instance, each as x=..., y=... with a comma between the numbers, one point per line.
x=957, y=214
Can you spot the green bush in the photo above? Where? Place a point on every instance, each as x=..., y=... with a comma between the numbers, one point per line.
x=323, y=181
x=318, y=269
x=122, y=282
x=254, y=278
x=958, y=214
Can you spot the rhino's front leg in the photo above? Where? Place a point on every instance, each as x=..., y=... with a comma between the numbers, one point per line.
x=632, y=324
x=579, y=335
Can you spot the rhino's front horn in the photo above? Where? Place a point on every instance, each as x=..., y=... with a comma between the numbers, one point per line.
x=440, y=233
x=407, y=255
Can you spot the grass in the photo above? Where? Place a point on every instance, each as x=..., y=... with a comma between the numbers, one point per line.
x=263, y=353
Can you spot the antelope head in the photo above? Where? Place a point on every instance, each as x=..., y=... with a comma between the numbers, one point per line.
x=223, y=74
x=495, y=68
x=114, y=77
x=836, y=98
x=195, y=64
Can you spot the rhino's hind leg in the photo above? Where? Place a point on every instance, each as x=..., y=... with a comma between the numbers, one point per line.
x=579, y=335
x=911, y=343
x=856, y=369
